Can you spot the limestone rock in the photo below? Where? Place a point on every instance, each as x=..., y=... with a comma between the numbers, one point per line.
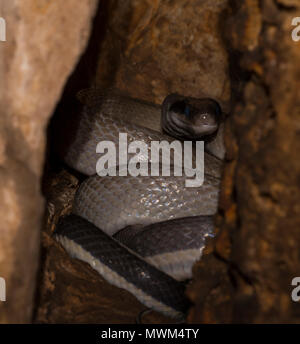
x=44, y=42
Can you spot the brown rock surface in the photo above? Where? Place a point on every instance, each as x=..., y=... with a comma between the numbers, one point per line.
x=157, y=47
x=247, y=272
x=44, y=41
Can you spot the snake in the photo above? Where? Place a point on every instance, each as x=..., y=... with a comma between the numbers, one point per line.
x=142, y=233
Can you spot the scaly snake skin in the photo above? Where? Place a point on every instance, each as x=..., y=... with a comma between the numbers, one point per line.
x=141, y=233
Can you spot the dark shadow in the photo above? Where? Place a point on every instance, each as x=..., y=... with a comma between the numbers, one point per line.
x=64, y=122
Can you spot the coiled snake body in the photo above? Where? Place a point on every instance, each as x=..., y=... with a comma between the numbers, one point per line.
x=142, y=233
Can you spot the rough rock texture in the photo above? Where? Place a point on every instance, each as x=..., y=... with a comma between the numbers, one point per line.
x=247, y=272
x=146, y=49
x=157, y=47
x=44, y=41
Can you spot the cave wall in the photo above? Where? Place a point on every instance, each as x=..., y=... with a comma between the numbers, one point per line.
x=247, y=272
x=149, y=49
x=44, y=40
x=153, y=48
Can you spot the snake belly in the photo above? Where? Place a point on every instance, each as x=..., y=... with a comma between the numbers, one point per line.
x=141, y=233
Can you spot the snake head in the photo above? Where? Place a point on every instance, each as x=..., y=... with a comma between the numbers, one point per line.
x=190, y=118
